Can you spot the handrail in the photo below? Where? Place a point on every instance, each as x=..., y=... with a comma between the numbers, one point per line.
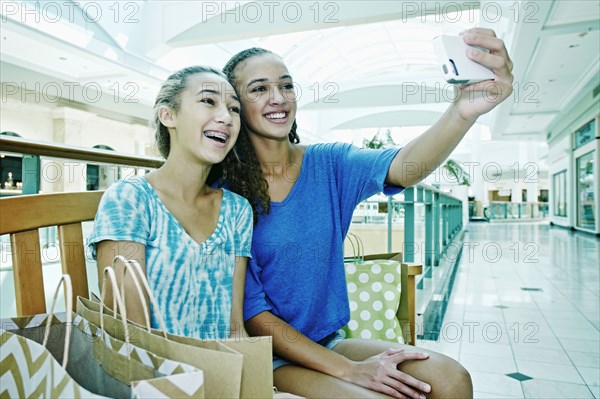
x=40, y=148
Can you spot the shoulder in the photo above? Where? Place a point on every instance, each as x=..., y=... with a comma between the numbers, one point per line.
x=328, y=152
x=329, y=148
x=330, y=155
x=235, y=201
x=132, y=189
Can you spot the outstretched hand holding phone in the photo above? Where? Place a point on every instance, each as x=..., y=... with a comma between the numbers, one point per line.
x=456, y=67
x=474, y=100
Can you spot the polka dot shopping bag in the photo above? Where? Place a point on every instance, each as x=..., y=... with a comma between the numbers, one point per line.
x=374, y=289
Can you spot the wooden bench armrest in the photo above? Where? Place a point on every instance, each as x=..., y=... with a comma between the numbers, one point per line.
x=414, y=269
x=406, y=311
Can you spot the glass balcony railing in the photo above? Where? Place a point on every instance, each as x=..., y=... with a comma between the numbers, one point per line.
x=420, y=222
x=516, y=211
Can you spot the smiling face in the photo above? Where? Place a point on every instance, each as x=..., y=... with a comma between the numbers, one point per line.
x=207, y=123
x=268, y=97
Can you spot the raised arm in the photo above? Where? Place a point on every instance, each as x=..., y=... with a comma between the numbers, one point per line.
x=377, y=373
x=106, y=252
x=425, y=153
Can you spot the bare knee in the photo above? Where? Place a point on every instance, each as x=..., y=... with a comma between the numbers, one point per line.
x=450, y=379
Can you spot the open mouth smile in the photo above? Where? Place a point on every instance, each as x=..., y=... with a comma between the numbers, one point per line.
x=277, y=117
x=219, y=137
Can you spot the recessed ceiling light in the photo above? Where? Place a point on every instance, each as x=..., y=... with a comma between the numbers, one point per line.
x=552, y=80
x=573, y=45
x=62, y=58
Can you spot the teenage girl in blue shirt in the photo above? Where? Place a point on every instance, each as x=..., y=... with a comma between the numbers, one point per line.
x=303, y=198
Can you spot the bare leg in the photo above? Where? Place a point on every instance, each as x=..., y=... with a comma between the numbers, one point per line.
x=314, y=384
x=448, y=378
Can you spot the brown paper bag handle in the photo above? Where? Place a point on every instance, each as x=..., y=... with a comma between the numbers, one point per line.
x=140, y=276
x=110, y=272
x=66, y=281
x=138, y=288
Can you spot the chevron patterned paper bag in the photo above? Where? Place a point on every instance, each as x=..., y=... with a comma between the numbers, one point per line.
x=98, y=362
x=29, y=370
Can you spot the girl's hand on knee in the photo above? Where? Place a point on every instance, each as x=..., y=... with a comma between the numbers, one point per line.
x=380, y=373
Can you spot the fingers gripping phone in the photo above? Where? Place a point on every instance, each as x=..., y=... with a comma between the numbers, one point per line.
x=457, y=68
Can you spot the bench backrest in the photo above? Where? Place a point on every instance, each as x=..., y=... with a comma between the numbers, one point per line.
x=22, y=217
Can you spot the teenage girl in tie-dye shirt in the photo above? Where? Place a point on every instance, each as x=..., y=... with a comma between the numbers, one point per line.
x=193, y=241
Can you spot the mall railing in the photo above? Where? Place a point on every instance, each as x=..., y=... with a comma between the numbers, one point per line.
x=32, y=154
x=424, y=211
x=33, y=151
x=431, y=223
x=499, y=210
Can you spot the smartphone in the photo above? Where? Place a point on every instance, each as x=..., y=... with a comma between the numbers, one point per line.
x=457, y=68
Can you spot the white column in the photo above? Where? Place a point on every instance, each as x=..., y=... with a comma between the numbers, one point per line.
x=532, y=196
x=67, y=175
x=475, y=169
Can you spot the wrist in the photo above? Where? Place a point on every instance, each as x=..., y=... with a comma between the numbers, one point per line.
x=457, y=116
x=346, y=371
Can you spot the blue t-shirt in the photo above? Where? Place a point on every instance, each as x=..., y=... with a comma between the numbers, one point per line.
x=192, y=282
x=297, y=266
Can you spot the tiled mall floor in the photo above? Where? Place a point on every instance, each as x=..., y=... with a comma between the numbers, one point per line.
x=524, y=314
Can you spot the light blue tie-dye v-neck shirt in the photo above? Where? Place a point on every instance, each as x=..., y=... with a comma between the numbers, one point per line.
x=192, y=282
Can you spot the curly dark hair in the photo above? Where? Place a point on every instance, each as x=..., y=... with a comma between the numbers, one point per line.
x=241, y=168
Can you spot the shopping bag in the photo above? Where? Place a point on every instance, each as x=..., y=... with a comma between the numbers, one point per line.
x=222, y=366
x=374, y=291
x=257, y=367
x=102, y=366
x=30, y=370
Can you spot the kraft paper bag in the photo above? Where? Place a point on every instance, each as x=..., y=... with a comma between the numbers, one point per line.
x=257, y=369
x=222, y=366
x=257, y=374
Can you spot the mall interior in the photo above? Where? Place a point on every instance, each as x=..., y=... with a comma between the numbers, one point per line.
x=507, y=229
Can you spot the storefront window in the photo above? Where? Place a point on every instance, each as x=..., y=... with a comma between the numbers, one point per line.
x=586, y=212
x=560, y=193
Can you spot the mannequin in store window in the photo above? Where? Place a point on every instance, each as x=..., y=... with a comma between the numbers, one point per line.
x=303, y=198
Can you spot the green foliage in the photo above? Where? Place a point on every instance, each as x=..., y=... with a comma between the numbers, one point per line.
x=457, y=171
x=377, y=142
